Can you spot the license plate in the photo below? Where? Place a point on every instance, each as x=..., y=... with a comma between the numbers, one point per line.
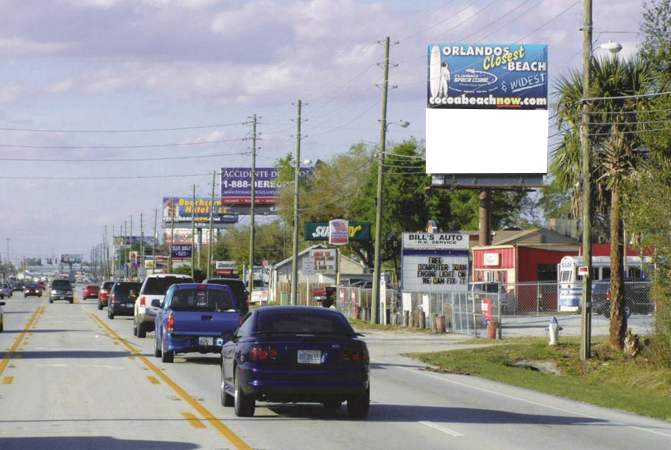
x=309, y=357
x=129, y=305
x=205, y=341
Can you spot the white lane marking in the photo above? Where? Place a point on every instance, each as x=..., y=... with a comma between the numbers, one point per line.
x=543, y=405
x=100, y=366
x=443, y=429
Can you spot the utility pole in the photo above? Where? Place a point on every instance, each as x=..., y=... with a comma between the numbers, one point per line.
x=380, y=187
x=114, y=271
x=153, y=242
x=193, y=230
x=130, y=250
x=250, y=287
x=585, y=306
x=141, y=263
x=172, y=236
x=297, y=166
x=210, y=240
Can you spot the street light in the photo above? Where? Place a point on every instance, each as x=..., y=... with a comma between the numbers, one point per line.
x=378, y=214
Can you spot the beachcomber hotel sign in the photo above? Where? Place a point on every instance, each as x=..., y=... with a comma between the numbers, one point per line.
x=434, y=262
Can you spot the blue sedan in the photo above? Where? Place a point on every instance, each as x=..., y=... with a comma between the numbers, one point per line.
x=290, y=354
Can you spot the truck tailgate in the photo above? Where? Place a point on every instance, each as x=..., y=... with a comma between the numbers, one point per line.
x=205, y=323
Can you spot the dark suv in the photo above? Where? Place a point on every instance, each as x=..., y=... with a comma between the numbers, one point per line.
x=60, y=289
x=636, y=295
x=122, y=298
x=239, y=291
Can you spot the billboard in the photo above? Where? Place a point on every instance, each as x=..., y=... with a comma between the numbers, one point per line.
x=434, y=262
x=180, y=210
x=236, y=185
x=319, y=231
x=487, y=109
x=149, y=241
x=338, y=232
x=72, y=259
x=182, y=251
x=324, y=260
x=183, y=236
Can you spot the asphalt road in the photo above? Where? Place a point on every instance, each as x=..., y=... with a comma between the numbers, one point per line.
x=71, y=378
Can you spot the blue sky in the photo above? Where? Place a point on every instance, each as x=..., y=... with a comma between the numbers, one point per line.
x=104, y=72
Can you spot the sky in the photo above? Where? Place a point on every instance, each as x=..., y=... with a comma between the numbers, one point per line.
x=107, y=106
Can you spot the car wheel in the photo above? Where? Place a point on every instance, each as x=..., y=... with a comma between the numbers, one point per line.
x=141, y=332
x=358, y=405
x=157, y=351
x=51, y=300
x=226, y=398
x=100, y=306
x=2, y=325
x=167, y=357
x=110, y=314
x=134, y=329
x=72, y=301
x=606, y=312
x=244, y=404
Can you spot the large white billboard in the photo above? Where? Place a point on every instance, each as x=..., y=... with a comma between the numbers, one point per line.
x=487, y=109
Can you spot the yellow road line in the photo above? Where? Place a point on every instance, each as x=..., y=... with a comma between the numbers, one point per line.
x=18, y=339
x=7, y=380
x=193, y=420
x=153, y=380
x=223, y=430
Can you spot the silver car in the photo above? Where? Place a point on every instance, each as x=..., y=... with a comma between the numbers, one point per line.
x=154, y=287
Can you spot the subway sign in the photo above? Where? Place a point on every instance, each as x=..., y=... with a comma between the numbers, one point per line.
x=319, y=231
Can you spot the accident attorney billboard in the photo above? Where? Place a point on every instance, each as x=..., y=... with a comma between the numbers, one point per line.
x=236, y=185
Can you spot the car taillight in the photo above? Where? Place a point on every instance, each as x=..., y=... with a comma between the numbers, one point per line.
x=240, y=319
x=608, y=295
x=262, y=352
x=113, y=299
x=355, y=354
x=143, y=302
x=170, y=324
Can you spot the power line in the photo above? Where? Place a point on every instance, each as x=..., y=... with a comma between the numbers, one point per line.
x=146, y=130
x=162, y=158
x=106, y=178
x=117, y=147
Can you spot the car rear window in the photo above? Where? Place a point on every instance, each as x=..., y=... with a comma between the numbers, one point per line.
x=159, y=286
x=108, y=285
x=303, y=322
x=201, y=300
x=237, y=286
x=122, y=290
x=61, y=284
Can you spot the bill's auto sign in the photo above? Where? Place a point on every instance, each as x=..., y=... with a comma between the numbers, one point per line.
x=319, y=231
x=434, y=262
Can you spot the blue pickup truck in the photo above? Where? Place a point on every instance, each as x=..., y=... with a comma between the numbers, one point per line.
x=192, y=318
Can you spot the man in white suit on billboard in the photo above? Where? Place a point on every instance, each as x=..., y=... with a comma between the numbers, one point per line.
x=444, y=78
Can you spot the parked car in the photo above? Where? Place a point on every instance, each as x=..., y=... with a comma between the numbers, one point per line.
x=239, y=291
x=295, y=354
x=104, y=293
x=636, y=295
x=32, y=289
x=90, y=291
x=61, y=289
x=153, y=288
x=5, y=290
x=2, y=318
x=122, y=298
x=18, y=287
x=193, y=317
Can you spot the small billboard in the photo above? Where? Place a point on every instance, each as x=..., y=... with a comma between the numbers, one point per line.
x=236, y=185
x=180, y=211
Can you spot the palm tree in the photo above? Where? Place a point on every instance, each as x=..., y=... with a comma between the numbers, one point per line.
x=613, y=125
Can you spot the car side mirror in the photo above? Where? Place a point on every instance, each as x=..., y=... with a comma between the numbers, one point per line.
x=156, y=303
